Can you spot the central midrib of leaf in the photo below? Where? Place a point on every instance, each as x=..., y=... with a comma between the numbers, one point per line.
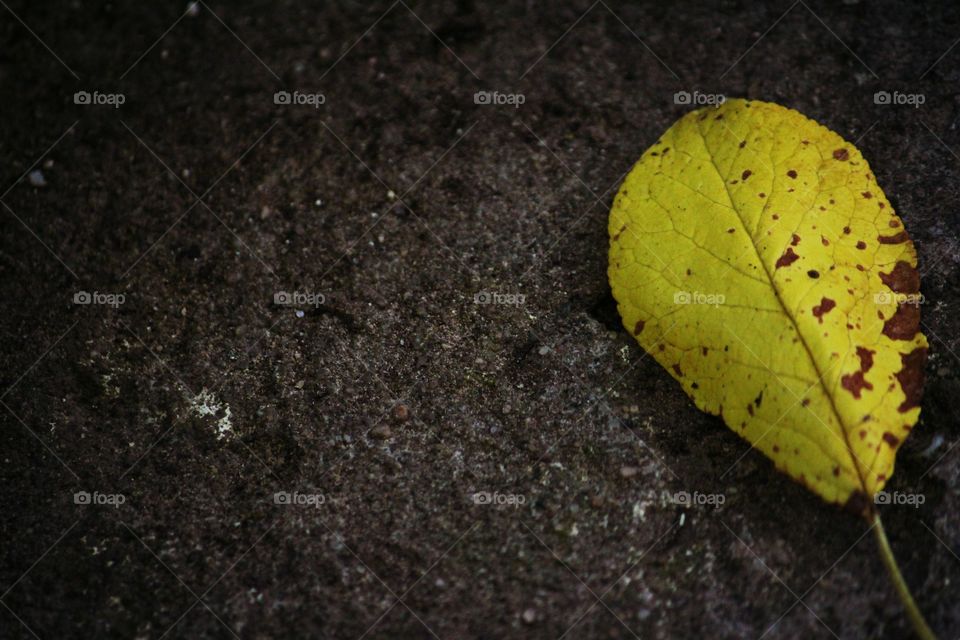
x=786, y=311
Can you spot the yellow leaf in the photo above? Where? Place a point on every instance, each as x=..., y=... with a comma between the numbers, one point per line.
x=753, y=254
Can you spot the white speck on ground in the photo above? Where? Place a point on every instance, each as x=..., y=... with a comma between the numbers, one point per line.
x=206, y=404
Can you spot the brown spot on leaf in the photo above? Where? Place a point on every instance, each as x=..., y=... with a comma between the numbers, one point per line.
x=867, y=195
x=904, y=324
x=746, y=174
x=676, y=370
x=788, y=258
x=813, y=273
x=846, y=230
x=638, y=327
x=841, y=154
x=903, y=279
x=795, y=241
x=897, y=239
x=910, y=378
x=890, y=439
x=743, y=143
x=824, y=241
x=855, y=383
x=861, y=245
x=826, y=304
x=894, y=224
x=792, y=174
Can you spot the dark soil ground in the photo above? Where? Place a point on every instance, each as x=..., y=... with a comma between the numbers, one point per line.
x=399, y=200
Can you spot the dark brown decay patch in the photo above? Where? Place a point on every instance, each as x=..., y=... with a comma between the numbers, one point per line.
x=904, y=324
x=813, y=273
x=910, y=378
x=676, y=370
x=894, y=224
x=750, y=409
x=890, y=439
x=903, y=279
x=743, y=143
x=792, y=174
x=638, y=327
x=866, y=358
x=846, y=230
x=788, y=258
x=897, y=239
x=841, y=154
x=795, y=240
x=856, y=382
x=861, y=245
x=826, y=304
x=746, y=174
x=867, y=195
x=824, y=241
x=758, y=399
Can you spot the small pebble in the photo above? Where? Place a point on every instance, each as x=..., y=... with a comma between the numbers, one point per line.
x=401, y=413
x=36, y=178
x=628, y=472
x=529, y=616
x=381, y=432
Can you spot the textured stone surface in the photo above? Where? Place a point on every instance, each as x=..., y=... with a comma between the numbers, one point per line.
x=198, y=398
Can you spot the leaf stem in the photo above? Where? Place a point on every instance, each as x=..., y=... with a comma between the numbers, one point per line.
x=920, y=626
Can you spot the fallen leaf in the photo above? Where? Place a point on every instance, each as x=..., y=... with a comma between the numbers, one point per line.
x=755, y=257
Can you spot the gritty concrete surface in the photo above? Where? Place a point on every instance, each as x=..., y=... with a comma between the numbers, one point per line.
x=386, y=397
